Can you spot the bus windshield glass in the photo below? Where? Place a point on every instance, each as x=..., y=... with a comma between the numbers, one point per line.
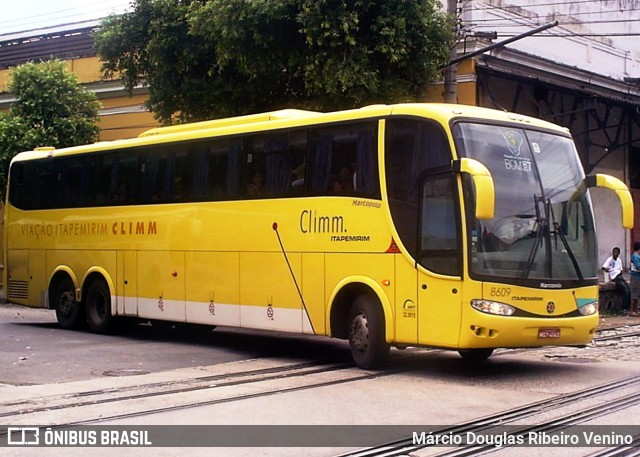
x=543, y=227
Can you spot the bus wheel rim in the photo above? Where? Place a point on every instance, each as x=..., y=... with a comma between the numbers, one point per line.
x=359, y=332
x=65, y=304
x=100, y=306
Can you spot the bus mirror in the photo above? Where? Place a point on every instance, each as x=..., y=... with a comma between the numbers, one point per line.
x=483, y=182
x=621, y=190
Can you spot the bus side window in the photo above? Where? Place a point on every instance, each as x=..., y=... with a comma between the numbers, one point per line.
x=22, y=186
x=298, y=148
x=229, y=160
x=100, y=184
x=253, y=168
x=345, y=161
x=277, y=160
x=180, y=179
x=439, y=233
x=199, y=164
x=73, y=181
x=321, y=163
x=46, y=185
x=148, y=180
x=412, y=148
x=365, y=181
x=267, y=168
x=65, y=180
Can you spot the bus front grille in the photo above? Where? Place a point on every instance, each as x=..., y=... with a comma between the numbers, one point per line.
x=18, y=290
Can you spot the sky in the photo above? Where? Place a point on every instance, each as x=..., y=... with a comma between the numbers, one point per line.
x=22, y=15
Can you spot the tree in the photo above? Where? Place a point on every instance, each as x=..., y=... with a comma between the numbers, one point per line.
x=51, y=109
x=212, y=58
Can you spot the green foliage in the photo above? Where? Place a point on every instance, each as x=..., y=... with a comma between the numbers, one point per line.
x=51, y=109
x=212, y=58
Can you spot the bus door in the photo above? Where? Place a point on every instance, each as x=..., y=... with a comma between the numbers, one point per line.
x=439, y=260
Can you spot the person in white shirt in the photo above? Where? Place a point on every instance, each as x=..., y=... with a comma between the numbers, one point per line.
x=613, y=266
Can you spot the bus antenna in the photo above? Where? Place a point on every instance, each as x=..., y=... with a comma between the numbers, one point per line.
x=295, y=281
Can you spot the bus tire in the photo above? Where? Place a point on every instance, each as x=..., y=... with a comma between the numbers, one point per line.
x=98, y=307
x=475, y=355
x=69, y=312
x=367, y=343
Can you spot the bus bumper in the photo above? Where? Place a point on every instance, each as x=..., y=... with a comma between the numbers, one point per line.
x=480, y=330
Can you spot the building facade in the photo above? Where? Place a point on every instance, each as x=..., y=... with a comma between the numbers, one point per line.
x=123, y=115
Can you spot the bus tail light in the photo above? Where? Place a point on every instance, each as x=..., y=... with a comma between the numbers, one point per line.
x=493, y=307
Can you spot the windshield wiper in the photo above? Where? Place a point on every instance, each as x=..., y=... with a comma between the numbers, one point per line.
x=557, y=230
x=542, y=230
x=541, y=227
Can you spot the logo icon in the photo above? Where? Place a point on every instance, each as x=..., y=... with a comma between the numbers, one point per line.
x=551, y=307
x=23, y=436
x=514, y=141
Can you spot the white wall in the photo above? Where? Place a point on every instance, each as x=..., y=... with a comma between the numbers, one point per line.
x=615, y=56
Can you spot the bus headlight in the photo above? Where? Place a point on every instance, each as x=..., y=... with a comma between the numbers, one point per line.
x=589, y=309
x=493, y=307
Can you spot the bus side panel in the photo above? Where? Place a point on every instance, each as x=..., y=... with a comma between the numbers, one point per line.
x=213, y=288
x=38, y=278
x=18, y=276
x=161, y=285
x=313, y=290
x=268, y=294
x=406, y=301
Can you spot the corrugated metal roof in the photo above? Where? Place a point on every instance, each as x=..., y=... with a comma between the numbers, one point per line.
x=67, y=41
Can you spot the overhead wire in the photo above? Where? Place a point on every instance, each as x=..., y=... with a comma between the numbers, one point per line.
x=97, y=9
x=497, y=23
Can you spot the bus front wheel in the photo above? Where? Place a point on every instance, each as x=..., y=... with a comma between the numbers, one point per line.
x=98, y=307
x=367, y=343
x=69, y=313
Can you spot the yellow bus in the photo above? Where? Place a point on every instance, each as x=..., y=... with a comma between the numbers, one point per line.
x=389, y=226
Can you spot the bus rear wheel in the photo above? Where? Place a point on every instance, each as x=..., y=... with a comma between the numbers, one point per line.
x=475, y=355
x=98, y=307
x=69, y=313
x=367, y=343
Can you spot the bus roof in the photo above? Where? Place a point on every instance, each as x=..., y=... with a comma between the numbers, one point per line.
x=285, y=114
x=296, y=118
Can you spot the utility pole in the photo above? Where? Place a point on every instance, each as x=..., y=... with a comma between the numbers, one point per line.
x=451, y=71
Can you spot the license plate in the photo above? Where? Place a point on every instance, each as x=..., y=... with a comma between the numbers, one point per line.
x=549, y=333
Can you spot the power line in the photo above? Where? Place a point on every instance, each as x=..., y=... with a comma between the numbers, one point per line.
x=506, y=7
x=41, y=20
x=565, y=35
x=44, y=15
x=556, y=16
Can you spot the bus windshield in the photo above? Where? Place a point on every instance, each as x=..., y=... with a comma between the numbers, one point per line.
x=543, y=227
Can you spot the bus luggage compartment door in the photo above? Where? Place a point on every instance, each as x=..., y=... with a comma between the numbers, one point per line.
x=127, y=283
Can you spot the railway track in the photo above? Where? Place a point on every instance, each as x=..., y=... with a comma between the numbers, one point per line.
x=150, y=398
x=513, y=418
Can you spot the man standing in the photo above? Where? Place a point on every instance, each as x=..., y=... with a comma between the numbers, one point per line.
x=635, y=278
x=613, y=266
